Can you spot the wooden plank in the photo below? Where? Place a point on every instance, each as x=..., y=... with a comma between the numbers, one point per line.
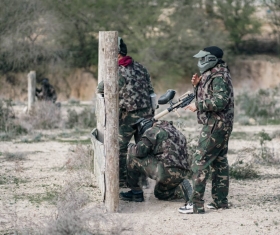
x=99, y=162
x=100, y=117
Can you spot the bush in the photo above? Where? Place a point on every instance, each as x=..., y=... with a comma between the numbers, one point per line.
x=44, y=115
x=260, y=106
x=6, y=114
x=243, y=171
x=266, y=155
x=15, y=156
x=10, y=127
x=86, y=119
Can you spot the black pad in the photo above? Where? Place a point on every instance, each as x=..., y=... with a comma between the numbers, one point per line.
x=169, y=95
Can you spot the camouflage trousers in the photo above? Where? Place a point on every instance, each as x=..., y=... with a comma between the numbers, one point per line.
x=126, y=131
x=211, y=157
x=168, y=180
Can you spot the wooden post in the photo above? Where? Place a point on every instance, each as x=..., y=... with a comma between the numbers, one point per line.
x=100, y=104
x=111, y=94
x=31, y=89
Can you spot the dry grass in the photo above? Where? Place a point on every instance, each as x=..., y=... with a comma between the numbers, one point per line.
x=14, y=156
x=74, y=214
x=44, y=115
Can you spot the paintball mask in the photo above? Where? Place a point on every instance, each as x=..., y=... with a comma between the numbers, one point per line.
x=45, y=81
x=208, y=58
x=142, y=125
x=122, y=47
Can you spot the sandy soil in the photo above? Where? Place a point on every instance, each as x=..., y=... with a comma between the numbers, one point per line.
x=32, y=179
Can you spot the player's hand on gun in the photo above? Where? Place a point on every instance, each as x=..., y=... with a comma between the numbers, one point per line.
x=191, y=107
x=195, y=80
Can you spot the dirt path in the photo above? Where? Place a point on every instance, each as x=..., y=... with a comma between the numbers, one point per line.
x=32, y=175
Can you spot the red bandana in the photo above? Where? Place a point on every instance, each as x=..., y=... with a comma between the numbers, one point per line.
x=125, y=61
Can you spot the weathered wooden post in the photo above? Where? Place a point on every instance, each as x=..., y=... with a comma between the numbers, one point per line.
x=105, y=136
x=97, y=137
x=31, y=89
x=111, y=95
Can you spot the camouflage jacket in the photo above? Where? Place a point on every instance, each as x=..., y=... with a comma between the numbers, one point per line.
x=215, y=97
x=165, y=143
x=47, y=92
x=135, y=87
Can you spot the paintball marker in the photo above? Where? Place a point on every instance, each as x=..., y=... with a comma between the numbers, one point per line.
x=183, y=101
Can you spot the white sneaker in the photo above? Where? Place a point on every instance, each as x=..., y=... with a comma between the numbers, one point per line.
x=211, y=206
x=186, y=209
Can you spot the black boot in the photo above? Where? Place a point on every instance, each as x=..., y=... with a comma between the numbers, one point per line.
x=132, y=196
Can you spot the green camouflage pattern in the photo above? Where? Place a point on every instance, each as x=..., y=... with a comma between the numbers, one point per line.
x=215, y=105
x=46, y=93
x=126, y=131
x=211, y=157
x=215, y=97
x=169, y=145
x=168, y=179
x=161, y=154
x=135, y=87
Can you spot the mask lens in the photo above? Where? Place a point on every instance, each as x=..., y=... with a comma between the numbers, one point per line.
x=202, y=60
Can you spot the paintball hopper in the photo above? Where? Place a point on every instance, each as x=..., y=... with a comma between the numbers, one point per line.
x=165, y=98
x=182, y=102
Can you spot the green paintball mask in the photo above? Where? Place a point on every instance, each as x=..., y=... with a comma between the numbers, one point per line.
x=208, y=58
x=206, y=61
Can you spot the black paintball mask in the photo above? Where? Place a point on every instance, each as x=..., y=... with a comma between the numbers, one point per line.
x=122, y=47
x=142, y=124
x=45, y=81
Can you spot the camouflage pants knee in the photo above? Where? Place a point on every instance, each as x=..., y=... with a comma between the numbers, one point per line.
x=168, y=180
x=211, y=153
x=126, y=131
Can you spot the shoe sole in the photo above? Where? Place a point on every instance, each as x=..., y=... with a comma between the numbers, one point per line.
x=131, y=199
x=214, y=208
x=211, y=207
x=185, y=212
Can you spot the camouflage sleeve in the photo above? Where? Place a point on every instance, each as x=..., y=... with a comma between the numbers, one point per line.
x=100, y=87
x=220, y=99
x=141, y=149
x=122, y=81
x=150, y=86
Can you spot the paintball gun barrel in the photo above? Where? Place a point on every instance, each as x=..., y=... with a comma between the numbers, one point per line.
x=183, y=101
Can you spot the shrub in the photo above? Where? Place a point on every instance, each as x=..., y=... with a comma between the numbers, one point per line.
x=80, y=158
x=86, y=119
x=261, y=105
x=9, y=125
x=266, y=155
x=6, y=114
x=15, y=156
x=44, y=115
x=238, y=170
